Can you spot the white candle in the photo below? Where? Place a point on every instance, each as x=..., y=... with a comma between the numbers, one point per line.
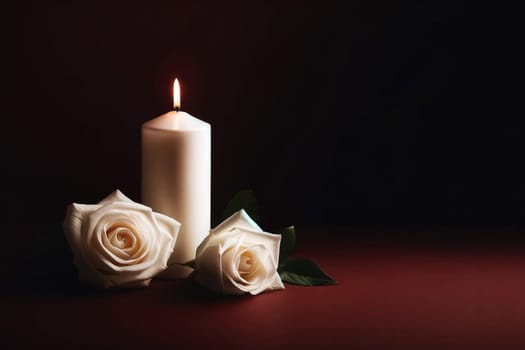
x=176, y=177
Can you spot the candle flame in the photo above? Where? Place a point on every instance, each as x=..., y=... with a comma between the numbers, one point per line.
x=176, y=94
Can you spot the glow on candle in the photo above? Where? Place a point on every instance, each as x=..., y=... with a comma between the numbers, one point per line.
x=176, y=95
x=176, y=178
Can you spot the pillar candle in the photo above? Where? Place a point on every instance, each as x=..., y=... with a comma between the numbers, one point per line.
x=176, y=178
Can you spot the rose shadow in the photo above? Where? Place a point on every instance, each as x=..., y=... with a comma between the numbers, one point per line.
x=48, y=276
x=47, y=270
x=53, y=276
x=49, y=273
x=188, y=292
x=41, y=276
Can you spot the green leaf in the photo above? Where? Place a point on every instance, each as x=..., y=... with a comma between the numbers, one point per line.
x=304, y=272
x=287, y=243
x=242, y=200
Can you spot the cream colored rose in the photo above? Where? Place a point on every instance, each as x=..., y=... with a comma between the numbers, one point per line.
x=237, y=257
x=118, y=242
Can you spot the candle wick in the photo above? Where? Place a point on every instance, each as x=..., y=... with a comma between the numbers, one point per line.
x=176, y=109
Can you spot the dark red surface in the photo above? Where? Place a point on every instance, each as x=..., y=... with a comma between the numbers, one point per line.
x=389, y=296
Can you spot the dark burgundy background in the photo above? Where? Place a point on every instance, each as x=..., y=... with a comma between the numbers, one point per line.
x=335, y=113
x=390, y=295
x=384, y=118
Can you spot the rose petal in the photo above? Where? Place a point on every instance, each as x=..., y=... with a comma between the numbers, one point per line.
x=73, y=229
x=168, y=229
x=113, y=212
x=269, y=278
x=277, y=283
x=93, y=232
x=116, y=196
x=270, y=240
x=261, y=269
x=209, y=268
x=238, y=238
x=231, y=253
x=239, y=219
x=257, y=270
x=112, y=254
x=168, y=225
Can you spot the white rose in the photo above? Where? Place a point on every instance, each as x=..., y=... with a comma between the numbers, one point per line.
x=237, y=257
x=118, y=242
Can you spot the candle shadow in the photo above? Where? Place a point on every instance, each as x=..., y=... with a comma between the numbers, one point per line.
x=191, y=293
